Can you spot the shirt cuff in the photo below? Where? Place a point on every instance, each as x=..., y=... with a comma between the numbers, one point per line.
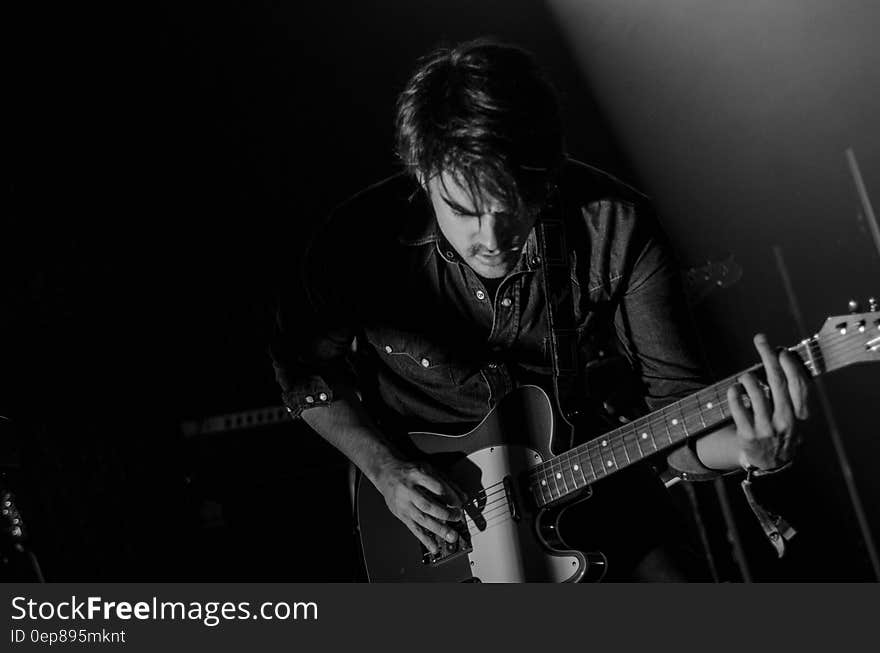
x=685, y=464
x=310, y=393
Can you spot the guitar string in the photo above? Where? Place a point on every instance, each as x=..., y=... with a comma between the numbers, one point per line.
x=496, y=512
x=502, y=512
x=592, y=450
x=559, y=494
x=643, y=423
x=619, y=442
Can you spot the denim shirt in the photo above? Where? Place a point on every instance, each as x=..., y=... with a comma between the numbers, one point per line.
x=386, y=306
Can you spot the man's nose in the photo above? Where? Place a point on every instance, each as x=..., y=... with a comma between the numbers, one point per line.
x=489, y=232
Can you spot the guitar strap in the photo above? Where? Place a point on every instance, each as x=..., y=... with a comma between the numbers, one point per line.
x=550, y=234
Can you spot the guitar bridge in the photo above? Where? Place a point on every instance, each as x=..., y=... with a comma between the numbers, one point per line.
x=449, y=550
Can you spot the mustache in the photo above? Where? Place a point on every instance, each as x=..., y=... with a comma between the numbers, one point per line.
x=479, y=250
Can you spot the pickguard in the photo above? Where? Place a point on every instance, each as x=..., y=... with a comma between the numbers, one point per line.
x=510, y=550
x=511, y=541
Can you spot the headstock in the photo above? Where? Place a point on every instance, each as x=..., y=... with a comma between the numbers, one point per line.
x=848, y=339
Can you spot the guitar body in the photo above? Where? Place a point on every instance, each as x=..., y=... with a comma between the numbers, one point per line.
x=518, y=490
x=510, y=540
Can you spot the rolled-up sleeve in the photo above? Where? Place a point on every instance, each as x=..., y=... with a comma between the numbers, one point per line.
x=313, y=333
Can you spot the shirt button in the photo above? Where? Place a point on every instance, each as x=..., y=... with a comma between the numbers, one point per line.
x=506, y=302
x=388, y=349
x=310, y=399
x=323, y=396
x=426, y=362
x=481, y=295
x=449, y=254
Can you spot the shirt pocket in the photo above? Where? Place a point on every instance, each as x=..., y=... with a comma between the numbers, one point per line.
x=417, y=358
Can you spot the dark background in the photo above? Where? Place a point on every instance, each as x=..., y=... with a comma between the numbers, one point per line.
x=167, y=163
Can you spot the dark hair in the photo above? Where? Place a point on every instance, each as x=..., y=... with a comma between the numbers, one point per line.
x=483, y=112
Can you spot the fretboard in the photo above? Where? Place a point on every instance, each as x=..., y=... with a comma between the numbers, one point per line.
x=663, y=429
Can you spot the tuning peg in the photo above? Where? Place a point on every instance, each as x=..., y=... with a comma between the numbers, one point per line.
x=853, y=306
x=872, y=304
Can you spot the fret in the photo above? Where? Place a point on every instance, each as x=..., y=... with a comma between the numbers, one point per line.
x=567, y=467
x=720, y=404
x=666, y=426
x=610, y=445
x=631, y=441
x=541, y=480
x=547, y=480
x=687, y=417
x=625, y=452
x=674, y=422
x=700, y=410
x=557, y=475
x=555, y=479
x=581, y=469
x=684, y=422
x=544, y=486
x=711, y=404
x=590, y=460
x=645, y=435
x=601, y=460
x=807, y=355
x=578, y=470
x=816, y=363
x=695, y=417
x=574, y=467
x=560, y=475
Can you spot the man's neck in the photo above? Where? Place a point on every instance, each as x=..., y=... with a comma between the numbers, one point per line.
x=491, y=285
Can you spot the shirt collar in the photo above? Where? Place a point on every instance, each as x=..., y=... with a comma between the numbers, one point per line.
x=420, y=228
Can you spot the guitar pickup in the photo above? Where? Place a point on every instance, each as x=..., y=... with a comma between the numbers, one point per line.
x=449, y=550
x=512, y=502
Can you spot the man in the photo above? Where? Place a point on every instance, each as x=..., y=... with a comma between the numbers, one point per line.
x=424, y=305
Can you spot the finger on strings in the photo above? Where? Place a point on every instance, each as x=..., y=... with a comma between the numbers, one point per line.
x=741, y=416
x=797, y=384
x=775, y=375
x=439, y=529
x=760, y=409
x=454, y=496
x=423, y=537
x=429, y=506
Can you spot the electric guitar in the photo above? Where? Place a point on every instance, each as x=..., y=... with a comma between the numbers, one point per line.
x=517, y=489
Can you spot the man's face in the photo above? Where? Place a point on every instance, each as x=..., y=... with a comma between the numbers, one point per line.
x=485, y=234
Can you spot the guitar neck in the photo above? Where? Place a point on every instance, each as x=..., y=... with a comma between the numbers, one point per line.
x=663, y=429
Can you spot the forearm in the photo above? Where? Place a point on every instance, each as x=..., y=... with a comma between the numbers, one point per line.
x=720, y=449
x=345, y=424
